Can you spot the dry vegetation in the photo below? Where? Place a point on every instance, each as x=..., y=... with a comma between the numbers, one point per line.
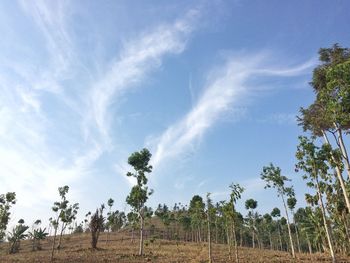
x=121, y=248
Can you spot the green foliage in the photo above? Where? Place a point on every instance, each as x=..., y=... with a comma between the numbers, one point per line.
x=96, y=225
x=274, y=179
x=116, y=220
x=17, y=234
x=6, y=201
x=139, y=193
x=251, y=204
x=291, y=202
x=37, y=235
x=276, y=212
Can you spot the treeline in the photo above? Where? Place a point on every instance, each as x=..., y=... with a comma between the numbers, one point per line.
x=322, y=161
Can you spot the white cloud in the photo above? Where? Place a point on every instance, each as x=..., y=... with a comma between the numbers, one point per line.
x=280, y=119
x=51, y=18
x=139, y=57
x=226, y=91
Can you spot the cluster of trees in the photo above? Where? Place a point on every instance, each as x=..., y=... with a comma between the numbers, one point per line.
x=322, y=160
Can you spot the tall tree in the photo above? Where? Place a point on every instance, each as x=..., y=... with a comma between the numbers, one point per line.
x=209, y=216
x=235, y=195
x=330, y=113
x=64, y=213
x=110, y=203
x=274, y=179
x=291, y=202
x=6, y=201
x=139, y=193
x=196, y=210
x=312, y=160
x=276, y=213
x=251, y=205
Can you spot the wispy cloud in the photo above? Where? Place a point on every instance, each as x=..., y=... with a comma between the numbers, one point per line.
x=280, y=119
x=139, y=57
x=226, y=91
x=51, y=18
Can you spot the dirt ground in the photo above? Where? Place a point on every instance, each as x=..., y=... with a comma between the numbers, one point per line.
x=75, y=248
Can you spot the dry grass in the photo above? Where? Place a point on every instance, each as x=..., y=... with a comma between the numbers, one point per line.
x=121, y=249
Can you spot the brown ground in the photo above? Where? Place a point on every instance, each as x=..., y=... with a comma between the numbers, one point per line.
x=75, y=248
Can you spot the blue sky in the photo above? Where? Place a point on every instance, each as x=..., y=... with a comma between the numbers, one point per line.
x=212, y=88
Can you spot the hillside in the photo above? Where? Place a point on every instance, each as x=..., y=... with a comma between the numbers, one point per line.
x=121, y=248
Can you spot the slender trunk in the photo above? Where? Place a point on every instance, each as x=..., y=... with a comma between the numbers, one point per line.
x=60, y=240
x=309, y=243
x=228, y=242
x=53, y=244
x=241, y=237
x=253, y=239
x=199, y=235
x=209, y=236
x=288, y=225
x=141, y=236
x=341, y=145
x=329, y=238
x=296, y=232
x=216, y=229
x=235, y=240
x=279, y=235
x=346, y=227
x=339, y=174
x=270, y=238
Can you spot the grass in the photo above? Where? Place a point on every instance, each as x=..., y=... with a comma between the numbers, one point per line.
x=120, y=248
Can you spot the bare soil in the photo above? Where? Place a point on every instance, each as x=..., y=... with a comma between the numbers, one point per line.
x=120, y=248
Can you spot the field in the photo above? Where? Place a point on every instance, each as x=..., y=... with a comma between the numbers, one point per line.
x=120, y=248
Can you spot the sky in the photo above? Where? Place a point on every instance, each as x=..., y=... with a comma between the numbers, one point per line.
x=211, y=88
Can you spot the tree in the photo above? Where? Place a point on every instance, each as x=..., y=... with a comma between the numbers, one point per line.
x=235, y=195
x=312, y=160
x=96, y=225
x=274, y=179
x=139, y=193
x=291, y=203
x=6, y=201
x=330, y=113
x=163, y=213
x=209, y=212
x=17, y=234
x=250, y=205
x=277, y=213
x=64, y=213
x=196, y=211
x=37, y=234
x=110, y=203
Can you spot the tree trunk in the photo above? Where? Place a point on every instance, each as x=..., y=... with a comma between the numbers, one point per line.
x=216, y=229
x=235, y=240
x=339, y=174
x=209, y=235
x=279, y=235
x=60, y=240
x=253, y=239
x=141, y=236
x=228, y=242
x=329, y=238
x=341, y=145
x=309, y=243
x=288, y=225
x=296, y=232
x=53, y=245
